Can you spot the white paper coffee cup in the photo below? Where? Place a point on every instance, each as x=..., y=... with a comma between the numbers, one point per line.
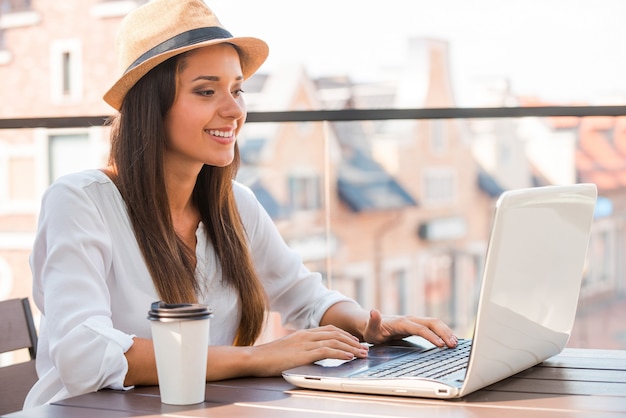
x=180, y=334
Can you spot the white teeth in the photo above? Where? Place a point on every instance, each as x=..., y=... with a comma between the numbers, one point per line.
x=223, y=134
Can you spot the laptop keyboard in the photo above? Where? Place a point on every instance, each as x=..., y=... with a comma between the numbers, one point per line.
x=433, y=364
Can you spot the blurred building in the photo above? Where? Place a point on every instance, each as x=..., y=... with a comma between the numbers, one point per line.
x=403, y=221
x=56, y=59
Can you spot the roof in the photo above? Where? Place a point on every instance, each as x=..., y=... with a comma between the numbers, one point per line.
x=365, y=186
x=265, y=198
x=601, y=152
x=488, y=184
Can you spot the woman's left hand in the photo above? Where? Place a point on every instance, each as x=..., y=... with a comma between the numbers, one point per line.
x=381, y=328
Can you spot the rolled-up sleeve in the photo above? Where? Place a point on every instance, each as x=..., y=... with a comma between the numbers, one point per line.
x=298, y=294
x=71, y=261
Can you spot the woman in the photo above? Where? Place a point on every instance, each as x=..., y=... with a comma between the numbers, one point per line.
x=166, y=220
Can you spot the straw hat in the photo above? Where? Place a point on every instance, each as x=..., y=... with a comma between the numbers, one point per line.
x=161, y=29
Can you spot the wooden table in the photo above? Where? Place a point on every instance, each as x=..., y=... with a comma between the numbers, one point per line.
x=576, y=383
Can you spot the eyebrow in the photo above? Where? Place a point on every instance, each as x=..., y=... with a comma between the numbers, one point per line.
x=212, y=78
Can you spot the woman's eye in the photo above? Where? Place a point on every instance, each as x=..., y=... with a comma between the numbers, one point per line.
x=238, y=92
x=206, y=92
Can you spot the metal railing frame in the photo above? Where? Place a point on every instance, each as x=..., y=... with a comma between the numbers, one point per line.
x=349, y=115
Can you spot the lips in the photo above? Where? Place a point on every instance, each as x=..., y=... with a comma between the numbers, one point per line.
x=221, y=136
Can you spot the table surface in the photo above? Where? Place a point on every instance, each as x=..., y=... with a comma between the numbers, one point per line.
x=576, y=383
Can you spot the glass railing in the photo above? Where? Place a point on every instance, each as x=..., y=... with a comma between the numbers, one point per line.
x=392, y=206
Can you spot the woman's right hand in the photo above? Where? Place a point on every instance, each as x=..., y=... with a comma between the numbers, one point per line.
x=304, y=347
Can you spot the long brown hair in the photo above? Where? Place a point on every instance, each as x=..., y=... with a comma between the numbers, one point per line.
x=138, y=142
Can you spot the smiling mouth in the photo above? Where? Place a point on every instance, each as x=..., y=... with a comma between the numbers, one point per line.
x=221, y=134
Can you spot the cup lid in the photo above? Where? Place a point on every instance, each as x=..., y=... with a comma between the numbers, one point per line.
x=162, y=311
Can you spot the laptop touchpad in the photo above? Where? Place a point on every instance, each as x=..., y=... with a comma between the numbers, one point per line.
x=377, y=355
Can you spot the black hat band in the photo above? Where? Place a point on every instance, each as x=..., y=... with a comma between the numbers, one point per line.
x=181, y=40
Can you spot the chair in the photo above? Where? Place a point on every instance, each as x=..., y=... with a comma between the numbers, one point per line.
x=17, y=332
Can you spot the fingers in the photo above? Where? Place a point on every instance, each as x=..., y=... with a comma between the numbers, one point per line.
x=304, y=347
x=376, y=319
x=435, y=331
x=373, y=328
x=380, y=329
x=331, y=342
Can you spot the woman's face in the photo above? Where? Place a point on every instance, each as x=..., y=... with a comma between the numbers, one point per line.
x=208, y=110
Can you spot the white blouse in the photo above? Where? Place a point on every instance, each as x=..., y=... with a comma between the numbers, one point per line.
x=94, y=289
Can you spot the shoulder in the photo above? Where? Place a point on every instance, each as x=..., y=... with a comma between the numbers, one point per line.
x=79, y=185
x=81, y=179
x=244, y=196
x=252, y=214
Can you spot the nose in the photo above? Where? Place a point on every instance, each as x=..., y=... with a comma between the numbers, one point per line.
x=233, y=107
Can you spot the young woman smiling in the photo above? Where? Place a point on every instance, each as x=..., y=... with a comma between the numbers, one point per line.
x=166, y=220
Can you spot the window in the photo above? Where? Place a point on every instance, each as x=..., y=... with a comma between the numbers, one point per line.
x=599, y=276
x=439, y=185
x=304, y=192
x=13, y=6
x=66, y=154
x=438, y=136
x=18, y=189
x=398, y=293
x=438, y=287
x=66, y=71
x=505, y=153
x=352, y=287
x=17, y=13
x=114, y=8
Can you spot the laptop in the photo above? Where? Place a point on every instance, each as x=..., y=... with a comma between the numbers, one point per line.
x=526, y=307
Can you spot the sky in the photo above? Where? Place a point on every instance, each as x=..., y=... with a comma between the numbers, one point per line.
x=561, y=51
